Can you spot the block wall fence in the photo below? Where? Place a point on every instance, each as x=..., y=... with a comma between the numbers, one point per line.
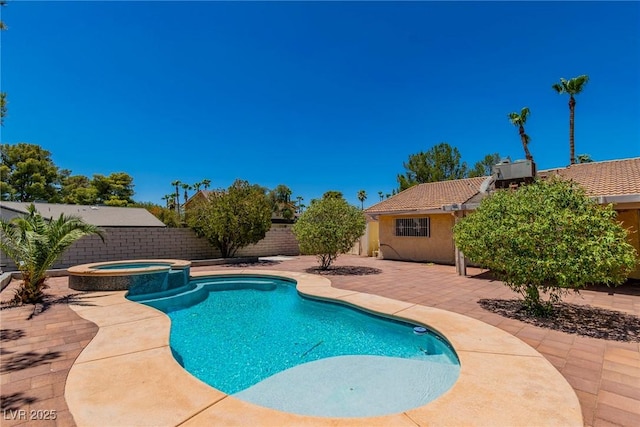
x=153, y=242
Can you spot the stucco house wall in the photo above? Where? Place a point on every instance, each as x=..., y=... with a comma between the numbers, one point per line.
x=630, y=219
x=438, y=247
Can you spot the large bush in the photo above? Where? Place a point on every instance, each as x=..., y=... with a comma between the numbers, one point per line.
x=547, y=237
x=329, y=227
x=232, y=219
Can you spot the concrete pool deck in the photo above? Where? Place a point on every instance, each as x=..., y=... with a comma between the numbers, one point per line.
x=127, y=376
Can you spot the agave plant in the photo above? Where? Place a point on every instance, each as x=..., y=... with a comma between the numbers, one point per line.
x=35, y=244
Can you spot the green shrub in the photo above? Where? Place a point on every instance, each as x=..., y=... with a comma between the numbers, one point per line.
x=329, y=227
x=547, y=237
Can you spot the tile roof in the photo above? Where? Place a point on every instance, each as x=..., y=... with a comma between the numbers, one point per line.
x=103, y=216
x=429, y=196
x=610, y=178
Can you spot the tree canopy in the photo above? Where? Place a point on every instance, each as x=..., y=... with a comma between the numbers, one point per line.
x=546, y=237
x=29, y=174
x=281, y=204
x=233, y=218
x=441, y=162
x=484, y=167
x=329, y=227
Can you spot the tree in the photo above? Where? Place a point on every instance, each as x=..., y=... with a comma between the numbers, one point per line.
x=584, y=158
x=329, y=227
x=3, y=107
x=519, y=120
x=3, y=95
x=485, y=166
x=571, y=87
x=78, y=190
x=186, y=188
x=232, y=219
x=27, y=173
x=165, y=214
x=362, y=196
x=332, y=194
x=2, y=24
x=299, y=205
x=177, y=184
x=280, y=199
x=35, y=244
x=113, y=190
x=206, y=183
x=440, y=163
x=546, y=237
x=381, y=195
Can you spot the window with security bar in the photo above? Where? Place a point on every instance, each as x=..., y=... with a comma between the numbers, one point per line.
x=412, y=227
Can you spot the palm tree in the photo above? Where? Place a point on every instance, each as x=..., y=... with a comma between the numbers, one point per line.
x=572, y=87
x=381, y=195
x=362, y=196
x=3, y=95
x=35, y=244
x=197, y=186
x=170, y=200
x=206, y=183
x=519, y=120
x=177, y=183
x=186, y=188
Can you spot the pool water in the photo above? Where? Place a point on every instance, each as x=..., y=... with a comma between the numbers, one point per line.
x=246, y=330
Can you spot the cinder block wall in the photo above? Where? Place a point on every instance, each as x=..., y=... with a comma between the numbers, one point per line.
x=278, y=241
x=152, y=242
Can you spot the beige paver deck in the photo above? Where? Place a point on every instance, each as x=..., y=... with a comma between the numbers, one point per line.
x=605, y=375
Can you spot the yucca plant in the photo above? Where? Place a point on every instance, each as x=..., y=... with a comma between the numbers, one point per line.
x=35, y=243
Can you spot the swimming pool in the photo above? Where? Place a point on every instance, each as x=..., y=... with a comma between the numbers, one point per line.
x=258, y=339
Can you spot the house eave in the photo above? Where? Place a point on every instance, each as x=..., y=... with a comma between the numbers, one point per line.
x=617, y=199
x=376, y=215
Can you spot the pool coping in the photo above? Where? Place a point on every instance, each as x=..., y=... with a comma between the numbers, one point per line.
x=92, y=269
x=503, y=381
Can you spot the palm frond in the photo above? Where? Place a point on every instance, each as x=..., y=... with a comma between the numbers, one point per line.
x=35, y=244
x=558, y=88
x=514, y=118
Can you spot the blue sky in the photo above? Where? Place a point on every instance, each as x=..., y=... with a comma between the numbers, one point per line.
x=318, y=96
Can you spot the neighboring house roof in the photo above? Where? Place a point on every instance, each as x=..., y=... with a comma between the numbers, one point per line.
x=429, y=196
x=610, y=178
x=613, y=181
x=199, y=195
x=103, y=216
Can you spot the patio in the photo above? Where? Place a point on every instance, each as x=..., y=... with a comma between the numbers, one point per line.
x=37, y=353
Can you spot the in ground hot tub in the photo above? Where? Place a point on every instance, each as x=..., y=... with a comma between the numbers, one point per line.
x=141, y=276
